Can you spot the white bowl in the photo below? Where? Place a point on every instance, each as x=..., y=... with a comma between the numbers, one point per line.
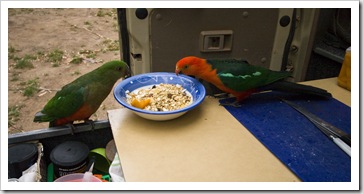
x=193, y=86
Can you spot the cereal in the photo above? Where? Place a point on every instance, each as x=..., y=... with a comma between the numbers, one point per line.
x=163, y=97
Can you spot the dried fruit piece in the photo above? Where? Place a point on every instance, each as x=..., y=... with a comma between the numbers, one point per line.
x=140, y=103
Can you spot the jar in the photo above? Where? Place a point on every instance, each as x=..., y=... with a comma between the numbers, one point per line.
x=345, y=72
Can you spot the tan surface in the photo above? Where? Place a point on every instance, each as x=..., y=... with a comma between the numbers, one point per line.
x=331, y=84
x=206, y=144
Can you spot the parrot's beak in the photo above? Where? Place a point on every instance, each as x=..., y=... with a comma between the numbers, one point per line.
x=177, y=71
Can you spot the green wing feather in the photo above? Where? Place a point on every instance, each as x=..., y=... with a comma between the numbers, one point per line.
x=239, y=75
x=65, y=102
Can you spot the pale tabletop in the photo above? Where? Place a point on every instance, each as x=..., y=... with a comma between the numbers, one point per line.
x=206, y=144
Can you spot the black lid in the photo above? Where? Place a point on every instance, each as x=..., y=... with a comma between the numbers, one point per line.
x=22, y=152
x=69, y=153
x=20, y=158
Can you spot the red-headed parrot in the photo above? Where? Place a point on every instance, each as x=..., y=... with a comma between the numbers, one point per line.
x=81, y=98
x=241, y=79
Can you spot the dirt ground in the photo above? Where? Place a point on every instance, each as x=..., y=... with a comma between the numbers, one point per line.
x=49, y=48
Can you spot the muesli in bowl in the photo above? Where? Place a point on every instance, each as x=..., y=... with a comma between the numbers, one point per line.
x=160, y=96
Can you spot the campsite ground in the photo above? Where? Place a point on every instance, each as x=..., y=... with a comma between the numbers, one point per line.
x=48, y=48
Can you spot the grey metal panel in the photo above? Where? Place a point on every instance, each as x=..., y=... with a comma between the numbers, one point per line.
x=56, y=131
x=175, y=33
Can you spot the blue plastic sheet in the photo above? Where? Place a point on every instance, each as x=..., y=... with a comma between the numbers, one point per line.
x=293, y=139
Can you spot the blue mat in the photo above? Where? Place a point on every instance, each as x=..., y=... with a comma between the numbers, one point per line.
x=293, y=139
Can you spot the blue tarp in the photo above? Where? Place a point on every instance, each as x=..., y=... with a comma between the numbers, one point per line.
x=293, y=139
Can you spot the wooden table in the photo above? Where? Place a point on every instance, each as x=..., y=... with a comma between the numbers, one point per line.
x=206, y=144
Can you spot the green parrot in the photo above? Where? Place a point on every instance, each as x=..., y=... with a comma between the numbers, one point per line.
x=241, y=79
x=81, y=98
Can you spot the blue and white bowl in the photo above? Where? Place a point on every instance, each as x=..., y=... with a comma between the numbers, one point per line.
x=193, y=86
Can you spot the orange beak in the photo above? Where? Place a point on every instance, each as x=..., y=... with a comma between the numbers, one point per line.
x=177, y=71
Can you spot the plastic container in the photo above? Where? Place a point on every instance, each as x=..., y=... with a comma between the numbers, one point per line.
x=345, y=72
x=101, y=162
x=77, y=177
x=69, y=157
x=21, y=157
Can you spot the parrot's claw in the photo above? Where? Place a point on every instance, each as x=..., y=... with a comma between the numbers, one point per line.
x=221, y=95
x=235, y=104
x=90, y=122
x=73, y=128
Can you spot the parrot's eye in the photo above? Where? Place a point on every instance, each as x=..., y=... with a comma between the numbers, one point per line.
x=118, y=68
x=185, y=66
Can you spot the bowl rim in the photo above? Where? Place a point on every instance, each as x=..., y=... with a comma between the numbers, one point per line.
x=187, y=108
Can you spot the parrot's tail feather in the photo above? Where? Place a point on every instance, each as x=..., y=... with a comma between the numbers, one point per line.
x=52, y=124
x=38, y=117
x=292, y=87
x=41, y=117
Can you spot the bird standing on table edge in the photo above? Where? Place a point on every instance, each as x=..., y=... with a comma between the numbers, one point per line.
x=241, y=79
x=81, y=98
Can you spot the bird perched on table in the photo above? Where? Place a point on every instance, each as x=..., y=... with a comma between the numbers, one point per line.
x=81, y=98
x=241, y=79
